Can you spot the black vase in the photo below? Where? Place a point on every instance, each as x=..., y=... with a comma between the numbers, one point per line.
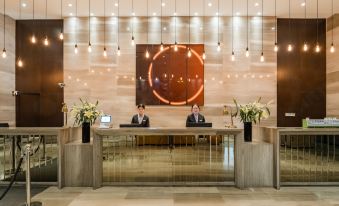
x=86, y=132
x=248, y=131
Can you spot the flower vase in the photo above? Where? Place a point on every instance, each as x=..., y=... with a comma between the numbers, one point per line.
x=248, y=131
x=86, y=132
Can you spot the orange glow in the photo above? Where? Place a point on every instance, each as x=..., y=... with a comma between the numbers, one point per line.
x=196, y=94
x=160, y=98
x=178, y=103
x=149, y=75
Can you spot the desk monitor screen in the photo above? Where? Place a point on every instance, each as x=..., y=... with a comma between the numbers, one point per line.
x=199, y=124
x=106, y=119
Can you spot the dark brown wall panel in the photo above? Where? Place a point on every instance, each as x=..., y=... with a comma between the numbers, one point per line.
x=40, y=74
x=301, y=78
x=169, y=77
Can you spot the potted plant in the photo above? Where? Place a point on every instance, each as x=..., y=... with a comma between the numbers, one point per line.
x=85, y=115
x=252, y=112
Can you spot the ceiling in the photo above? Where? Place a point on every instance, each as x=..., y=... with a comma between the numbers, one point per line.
x=140, y=8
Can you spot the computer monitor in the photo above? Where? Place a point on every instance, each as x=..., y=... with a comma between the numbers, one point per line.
x=105, y=121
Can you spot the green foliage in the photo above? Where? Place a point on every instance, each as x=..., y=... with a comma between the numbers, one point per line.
x=85, y=112
x=253, y=112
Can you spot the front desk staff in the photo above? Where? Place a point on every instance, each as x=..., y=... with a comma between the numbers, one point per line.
x=141, y=118
x=195, y=117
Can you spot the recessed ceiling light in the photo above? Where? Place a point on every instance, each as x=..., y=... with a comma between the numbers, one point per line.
x=238, y=13
x=209, y=4
x=163, y=4
x=256, y=4
x=23, y=4
x=303, y=4
x=154, y=13
x=196, y=13
x=70, y=5
x=116, y=4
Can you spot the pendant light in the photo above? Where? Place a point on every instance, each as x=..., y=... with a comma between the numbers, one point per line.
x=105, y=52
x=89, y=49
x=247, y=53
x=189, y=53
x=76, y=26
x=218, y=45
x=161, y=44
x=46, y=42
x=118, y=51
x=132, y=41
x=203, y=34
x=61, y=35
x=232, y=56
x=332, y=49
x=4, y=54
x=19, y=62
x=317, y=47
x=175, y=26
x=33, y=38
x=147, y=52
x=289, y=46
x=305, y=46
x=276, y=27
x=262, y=58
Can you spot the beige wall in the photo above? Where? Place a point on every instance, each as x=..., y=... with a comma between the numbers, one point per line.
x=112, y=80
x=7, y=73
x=332, y=70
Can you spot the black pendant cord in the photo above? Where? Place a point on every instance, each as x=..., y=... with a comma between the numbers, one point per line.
x=104, y=25
x=4, y=24
x=76, y=21
x=147, y=25
x=289, y=19
x=305, y=16
x=219, y=23
x=317, y=22
x=276, y=24
x=175, y=21
x=133, y=19
x=161, y=21
x=247, y=26
x=262, y=27
x=89, y=22
x=332, y=23
x=61, y=14
x=118, y=34
x=203, y=22
x=232, y=26
x=189, y=24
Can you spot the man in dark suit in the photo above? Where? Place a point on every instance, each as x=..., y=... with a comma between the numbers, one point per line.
x=141, y=118
x=195, y=116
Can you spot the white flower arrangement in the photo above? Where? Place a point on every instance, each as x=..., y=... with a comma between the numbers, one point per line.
x=253, y=112
x=85, y=112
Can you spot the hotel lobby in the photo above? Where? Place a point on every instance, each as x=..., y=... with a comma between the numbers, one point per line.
x=169, y=102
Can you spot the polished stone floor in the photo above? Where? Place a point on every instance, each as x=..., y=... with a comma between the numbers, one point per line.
x=216, y=196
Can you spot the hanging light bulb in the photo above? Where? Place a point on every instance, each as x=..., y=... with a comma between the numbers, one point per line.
x=33, y=39
x=119, y=52
x=4, y=54
x=289, y=47
x=332, y=49
x=262, y=58
x=232, y=56
x=46, y=43
x=20, y=63
x=247, y=54
x=147, y=54
x=105, y=52
x=189, y=53
x=317, y=48
x=175, y=46
x=76, y=48
x=132, y=42
x=204, y=55
x=305, y=47
x=218, y=47
x=161, y=47
x=89, y=47
x=61, y=36
x=275, y=47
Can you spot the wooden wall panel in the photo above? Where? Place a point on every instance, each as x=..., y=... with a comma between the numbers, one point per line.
x=301, y=75
x=41, y=72
x=111, y=80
